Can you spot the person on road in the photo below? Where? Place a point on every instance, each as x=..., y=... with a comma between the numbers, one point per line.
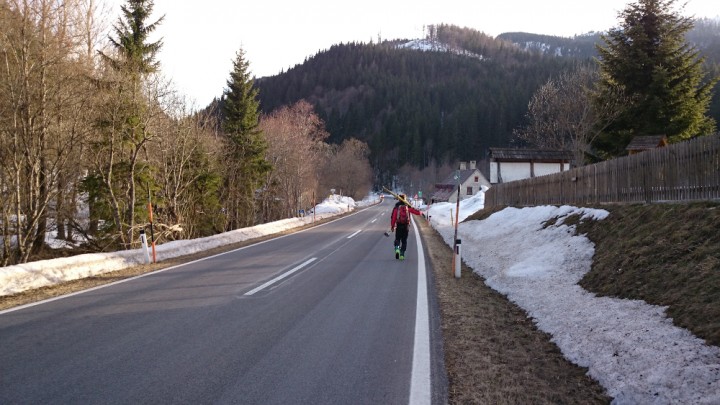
x=400, y=224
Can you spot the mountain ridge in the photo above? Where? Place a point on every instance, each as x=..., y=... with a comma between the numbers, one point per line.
x=444, y=98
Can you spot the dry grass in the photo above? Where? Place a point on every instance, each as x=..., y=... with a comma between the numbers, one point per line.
x=664, y=254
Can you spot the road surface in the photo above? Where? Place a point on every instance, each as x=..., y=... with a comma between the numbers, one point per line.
x=322, y=316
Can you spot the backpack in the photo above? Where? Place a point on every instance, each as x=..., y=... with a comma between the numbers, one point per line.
x=403, y=215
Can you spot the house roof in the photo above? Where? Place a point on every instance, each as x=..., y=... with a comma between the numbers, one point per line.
x=442, y=194
x=464, y=175
x=530, y=154
x=646, y=142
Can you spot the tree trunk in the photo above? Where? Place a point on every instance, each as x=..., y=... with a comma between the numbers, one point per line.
x=60, y=217
x=131, y=204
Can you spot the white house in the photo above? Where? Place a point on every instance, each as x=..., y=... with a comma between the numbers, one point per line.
x=508, y=164
x=469, y=178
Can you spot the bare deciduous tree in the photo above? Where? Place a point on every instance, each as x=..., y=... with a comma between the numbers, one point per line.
x=295, y=138
x=185, y=155
x=562, y=114
x=348, y=169
x=40, y=85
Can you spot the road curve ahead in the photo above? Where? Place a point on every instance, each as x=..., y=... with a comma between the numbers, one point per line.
x=323, y=316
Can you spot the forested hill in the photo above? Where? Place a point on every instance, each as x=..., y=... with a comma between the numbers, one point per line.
x=415, y=106
x=420, y=106
x=581, y=46
x=705, y=37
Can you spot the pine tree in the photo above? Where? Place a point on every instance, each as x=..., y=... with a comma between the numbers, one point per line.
x=246, y=144
x=135, y=55
x=648, y=60
x=126, y=119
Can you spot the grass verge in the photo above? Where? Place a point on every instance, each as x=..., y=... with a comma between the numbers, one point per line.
x=664, y=254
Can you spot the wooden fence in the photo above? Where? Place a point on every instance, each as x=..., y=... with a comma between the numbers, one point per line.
x=687, y=171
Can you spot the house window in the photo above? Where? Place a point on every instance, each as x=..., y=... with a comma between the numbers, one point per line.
x=477, y=179
x=469, y=191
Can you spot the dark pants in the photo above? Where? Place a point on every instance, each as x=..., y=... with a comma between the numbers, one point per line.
x=401, y=235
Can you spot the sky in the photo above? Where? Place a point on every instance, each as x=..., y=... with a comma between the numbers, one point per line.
x=630, y=347
x=201, y=39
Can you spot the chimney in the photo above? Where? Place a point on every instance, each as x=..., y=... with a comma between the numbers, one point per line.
x=463, y=166
x=472, y=165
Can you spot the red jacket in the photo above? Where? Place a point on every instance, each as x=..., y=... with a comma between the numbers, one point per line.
x=393, y=216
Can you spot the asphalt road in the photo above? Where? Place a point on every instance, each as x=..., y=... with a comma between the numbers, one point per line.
x=323, y=316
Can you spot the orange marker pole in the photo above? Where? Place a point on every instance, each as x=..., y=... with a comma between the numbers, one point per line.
x=152, y=233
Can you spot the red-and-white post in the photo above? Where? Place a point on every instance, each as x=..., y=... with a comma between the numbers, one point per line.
x=152, y=233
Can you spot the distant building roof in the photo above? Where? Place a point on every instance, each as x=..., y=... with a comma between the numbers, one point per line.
x=524, y=155
x=464, y=175
x=646, y=142
x=442, y=194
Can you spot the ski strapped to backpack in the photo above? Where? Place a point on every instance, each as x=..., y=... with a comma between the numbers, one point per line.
x=397, y=196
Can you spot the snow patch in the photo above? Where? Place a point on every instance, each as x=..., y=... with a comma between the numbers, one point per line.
x=629, y=346
x=22, y=277
x=427, y=45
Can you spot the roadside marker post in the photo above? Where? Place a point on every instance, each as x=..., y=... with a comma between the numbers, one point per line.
x=144, y=245
x=458, y=258
x=457, y=222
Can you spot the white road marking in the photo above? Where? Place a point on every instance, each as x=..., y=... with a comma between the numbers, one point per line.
x=353, y=234
x=280, y=277
x=420, y=390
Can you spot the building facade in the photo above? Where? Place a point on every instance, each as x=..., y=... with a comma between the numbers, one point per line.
x=516, y=164
x=470, y=179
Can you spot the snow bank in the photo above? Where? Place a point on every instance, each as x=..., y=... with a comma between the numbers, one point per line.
x=22, y=277
x=629, y=346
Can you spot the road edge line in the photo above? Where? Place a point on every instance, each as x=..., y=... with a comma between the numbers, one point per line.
x=420, y=389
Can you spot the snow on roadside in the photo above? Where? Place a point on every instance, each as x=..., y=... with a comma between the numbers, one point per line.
x=629, y=346
x=22, y=277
